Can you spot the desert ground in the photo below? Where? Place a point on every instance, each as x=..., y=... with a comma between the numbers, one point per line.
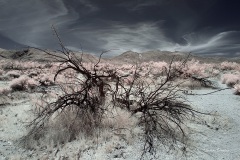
x=208, y=88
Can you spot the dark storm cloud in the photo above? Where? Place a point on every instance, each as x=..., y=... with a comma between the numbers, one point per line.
x=28, y=22
x=200, y=26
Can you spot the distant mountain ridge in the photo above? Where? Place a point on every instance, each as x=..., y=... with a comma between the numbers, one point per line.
x=41, y=56
x=167, y=56
x=126, y=57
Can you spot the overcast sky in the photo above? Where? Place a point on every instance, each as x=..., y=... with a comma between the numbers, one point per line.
x=210, y=27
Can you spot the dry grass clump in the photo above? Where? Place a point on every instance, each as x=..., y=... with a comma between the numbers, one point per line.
x=23, y=83
x=71, y=124
x=62, y=128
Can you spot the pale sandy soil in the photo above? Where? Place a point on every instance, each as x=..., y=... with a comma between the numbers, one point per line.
x=220, y=137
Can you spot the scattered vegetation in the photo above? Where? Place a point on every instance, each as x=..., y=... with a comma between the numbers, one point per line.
x=80, y=98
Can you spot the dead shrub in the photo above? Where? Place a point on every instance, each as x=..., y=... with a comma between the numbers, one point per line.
x=85, y=107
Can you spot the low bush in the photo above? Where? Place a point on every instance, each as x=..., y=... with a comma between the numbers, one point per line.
x=47, y=79
x=230, y=79
x=229, y=66
x=19, y=84
x=23, y=83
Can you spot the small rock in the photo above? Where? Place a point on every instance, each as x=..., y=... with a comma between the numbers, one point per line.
x=9, y=142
